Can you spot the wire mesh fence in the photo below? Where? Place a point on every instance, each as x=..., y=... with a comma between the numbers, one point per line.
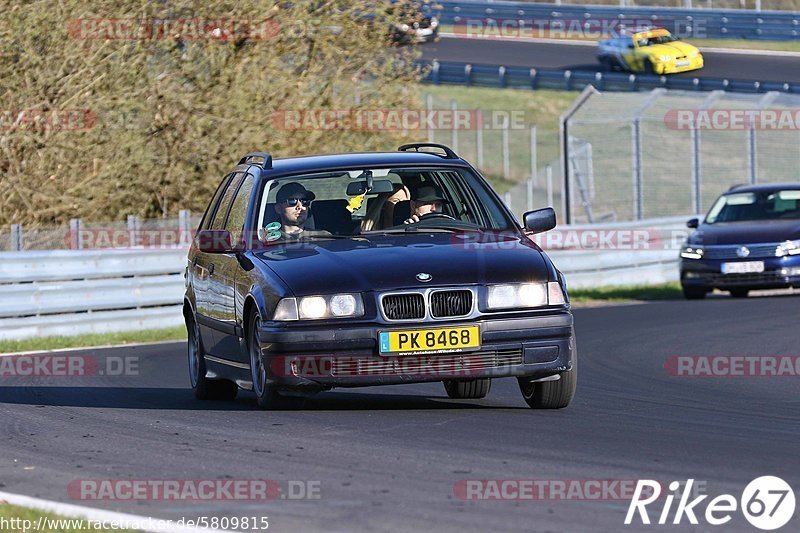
x=173, y=232
x=667, y=153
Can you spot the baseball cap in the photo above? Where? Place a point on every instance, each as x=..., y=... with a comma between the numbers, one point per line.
x=428, y=193
x=293, y=189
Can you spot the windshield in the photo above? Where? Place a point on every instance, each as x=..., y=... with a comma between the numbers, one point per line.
x=749, y=206
x=661, y=39
x=374, y=200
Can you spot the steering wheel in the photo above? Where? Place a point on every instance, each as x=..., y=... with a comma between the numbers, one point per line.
x=431, y=216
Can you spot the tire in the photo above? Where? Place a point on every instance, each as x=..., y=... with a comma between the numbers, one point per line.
x=552, y=394
x=739, y=293
x=202, y=387
x=267, y=395
x=472, y=389
x=648, y=68
x=693, y=293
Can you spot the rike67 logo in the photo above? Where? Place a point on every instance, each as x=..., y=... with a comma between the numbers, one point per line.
x=767, y=502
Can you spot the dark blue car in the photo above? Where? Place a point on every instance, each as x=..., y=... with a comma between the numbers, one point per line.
x=362, y=269
x=750, y=239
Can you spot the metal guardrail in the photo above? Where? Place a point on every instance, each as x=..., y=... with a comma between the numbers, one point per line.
x=70, y=292
x=574, y=80
x=698, y=23
x=64, y=292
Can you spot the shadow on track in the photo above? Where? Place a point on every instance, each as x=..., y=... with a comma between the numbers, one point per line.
x=182, y=399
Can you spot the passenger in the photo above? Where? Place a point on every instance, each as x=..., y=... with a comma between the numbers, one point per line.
x=381, y=213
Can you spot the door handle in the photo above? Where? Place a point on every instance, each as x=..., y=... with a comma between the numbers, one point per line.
x=211, y=268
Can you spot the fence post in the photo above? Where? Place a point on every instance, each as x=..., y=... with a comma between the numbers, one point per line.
x=429, y=106
x=533, y=179
x=507, y=199
x=696, y=197
x=479, y=144
x=506, y=158
x=16, y=237
x=454, y=128
x=133, y=230
x=548, y=172
x=636, y=166
x=752, y=151
x=184, y=227
x=75, y=238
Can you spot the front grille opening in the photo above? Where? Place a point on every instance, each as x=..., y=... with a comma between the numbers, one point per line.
x=404, y=306
x=451, y=303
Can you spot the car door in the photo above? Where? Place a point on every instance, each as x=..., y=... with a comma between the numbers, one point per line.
x=209, y=301
x=227, y=274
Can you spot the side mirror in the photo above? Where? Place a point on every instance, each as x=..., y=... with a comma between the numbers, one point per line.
x=692, y=223
x=540, y=220
x=214, y=241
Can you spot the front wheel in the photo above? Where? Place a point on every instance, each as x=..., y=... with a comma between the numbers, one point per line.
x=267, y=395
x=552, y=394
x=693, y=293
x=740, y=293
x=472, y=389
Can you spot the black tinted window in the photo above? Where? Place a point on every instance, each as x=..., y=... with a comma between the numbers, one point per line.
x=224, y=205
x=236, y=218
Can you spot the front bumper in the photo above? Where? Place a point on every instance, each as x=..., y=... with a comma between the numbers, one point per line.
x=319, y=358
x=779, y=273
x=674, y=66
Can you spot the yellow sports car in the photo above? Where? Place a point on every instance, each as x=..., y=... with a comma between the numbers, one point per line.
x=649, y=51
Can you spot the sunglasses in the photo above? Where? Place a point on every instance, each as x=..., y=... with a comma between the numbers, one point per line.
x=291, y=202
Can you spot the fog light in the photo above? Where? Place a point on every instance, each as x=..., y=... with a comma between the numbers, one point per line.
x=691, y=275
x=790, y=271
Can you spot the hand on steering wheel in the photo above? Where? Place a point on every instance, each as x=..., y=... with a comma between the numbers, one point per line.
x=428, y=216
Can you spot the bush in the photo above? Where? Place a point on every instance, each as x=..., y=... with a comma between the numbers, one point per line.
x=99, y=127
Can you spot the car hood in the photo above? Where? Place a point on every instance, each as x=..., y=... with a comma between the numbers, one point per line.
x=673, y=49
x=393, y=262
x=746, y=232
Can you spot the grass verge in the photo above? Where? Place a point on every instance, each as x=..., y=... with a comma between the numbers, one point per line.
x=541, y=108
x=23, y=520
x=665, y=291
x=94, y=339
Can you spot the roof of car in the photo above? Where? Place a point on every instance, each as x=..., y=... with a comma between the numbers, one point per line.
x=321, y=163
x=764, y=187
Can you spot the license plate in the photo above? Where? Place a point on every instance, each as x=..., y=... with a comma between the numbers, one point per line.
x=681, y=63
x=428, y=341
x=743, y=267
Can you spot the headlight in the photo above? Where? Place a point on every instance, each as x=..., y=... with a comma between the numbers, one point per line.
x=694, y=53
x=692, y=252
x=434, y=22
x=665, y=58
x=788, y=248
x=405, y=27
x=317, y=307
x=524, y=295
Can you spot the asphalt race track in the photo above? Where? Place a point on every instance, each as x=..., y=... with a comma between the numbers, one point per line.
x=387, y=459
x=733, y=66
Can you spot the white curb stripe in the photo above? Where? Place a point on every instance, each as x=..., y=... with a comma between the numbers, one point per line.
x=85, y=348
x=145, y=523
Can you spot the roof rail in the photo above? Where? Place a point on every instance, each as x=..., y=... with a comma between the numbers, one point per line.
x=266, y=164
x=448, y=152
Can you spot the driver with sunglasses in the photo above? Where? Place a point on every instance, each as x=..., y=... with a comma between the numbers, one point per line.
x=292, y=203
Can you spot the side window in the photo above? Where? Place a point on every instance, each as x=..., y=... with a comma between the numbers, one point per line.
x=238, y=214
x=225, y=203
x=206, y=221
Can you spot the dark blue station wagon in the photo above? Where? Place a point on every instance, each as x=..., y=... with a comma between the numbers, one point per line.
x=365, y=269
